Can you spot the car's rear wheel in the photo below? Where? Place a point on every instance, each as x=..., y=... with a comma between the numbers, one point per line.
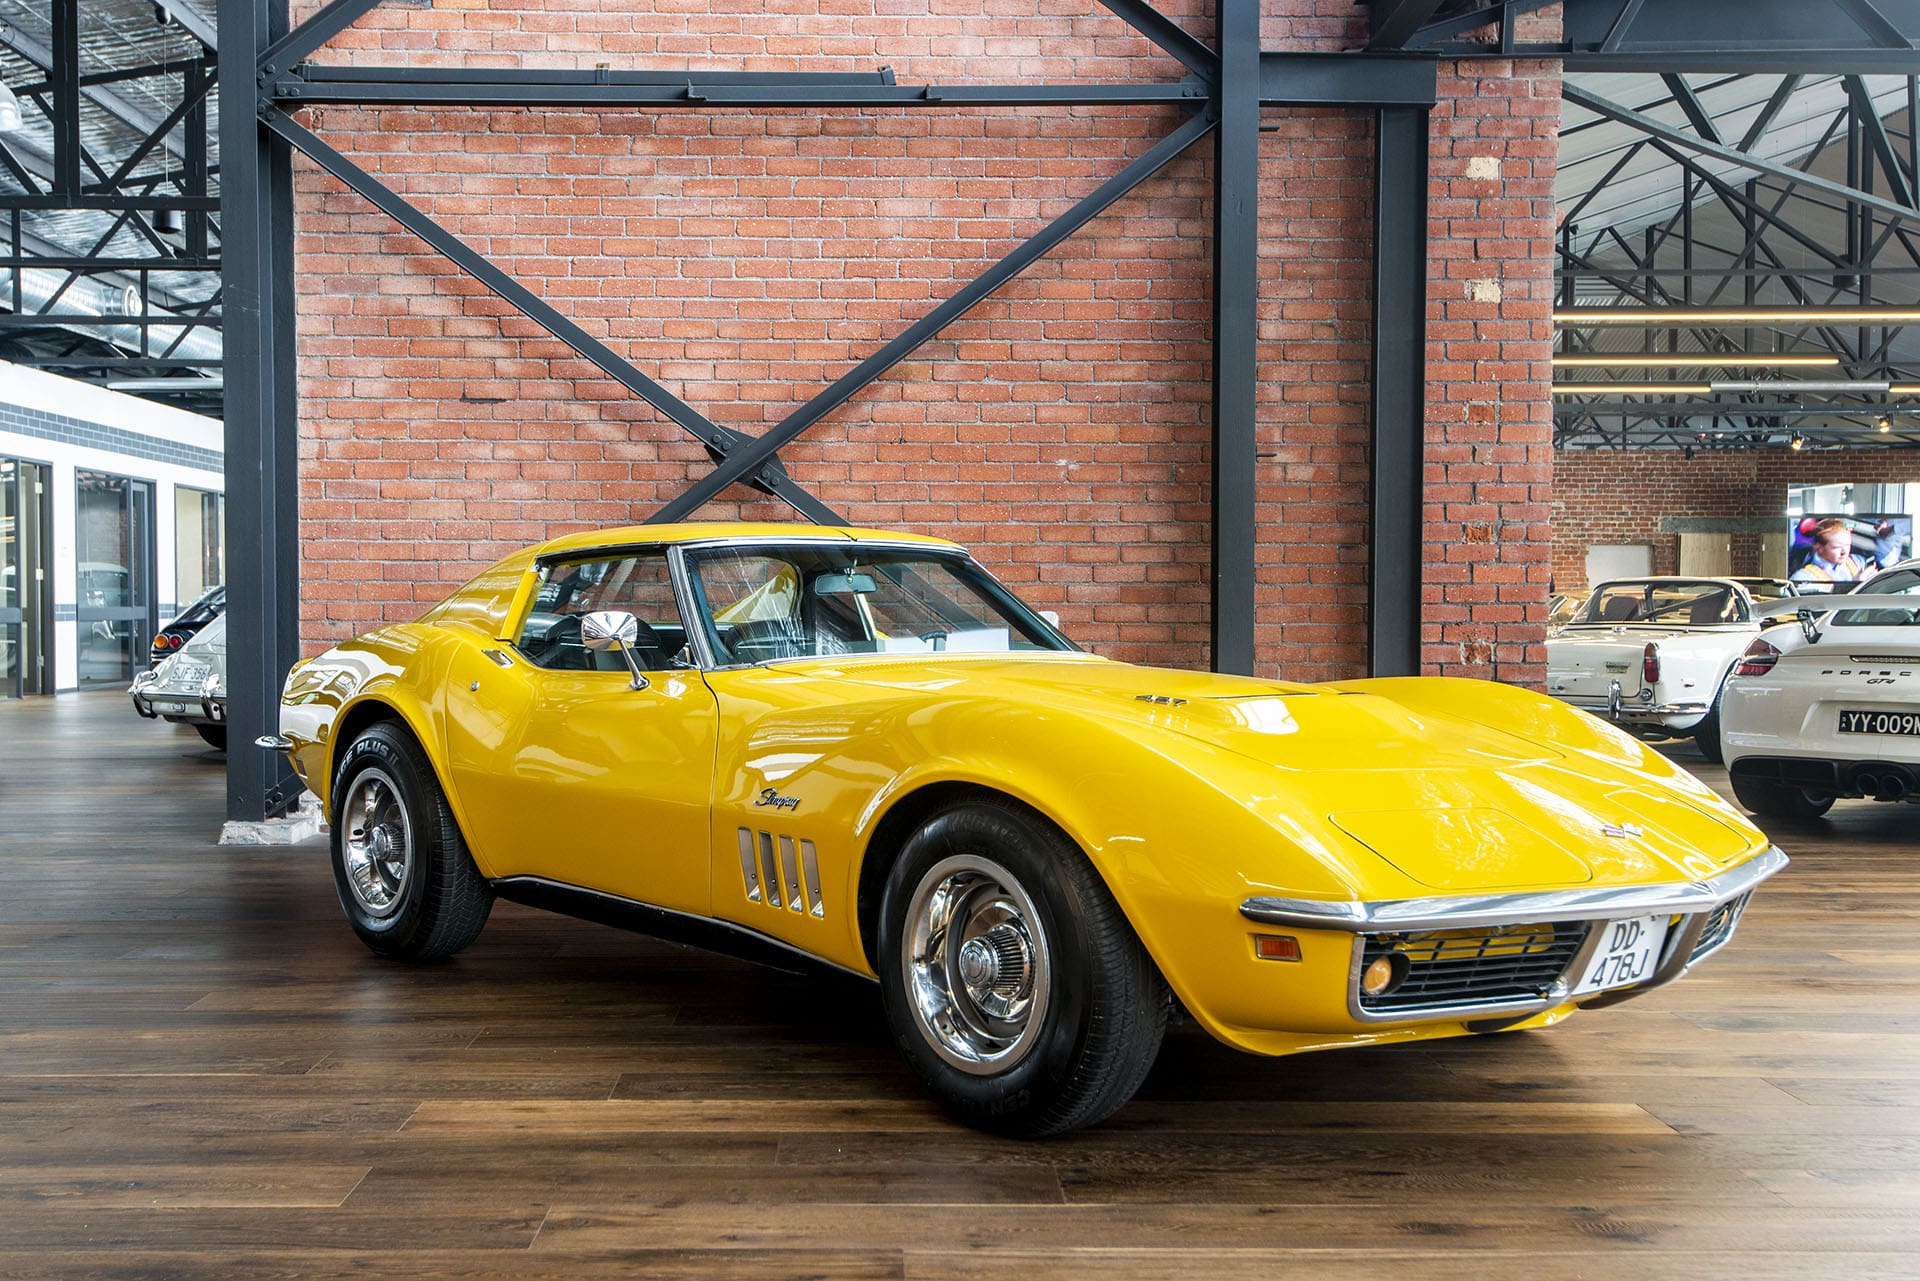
x=1706, y=735
x=401, y=869
x=1012, y=981
x=216, y=735
x=1780, y=800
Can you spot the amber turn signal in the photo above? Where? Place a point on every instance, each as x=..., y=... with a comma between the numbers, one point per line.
x=1276, y=947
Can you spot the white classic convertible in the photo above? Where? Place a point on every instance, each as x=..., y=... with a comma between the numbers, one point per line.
x=1652, y=654
x=1830, y=708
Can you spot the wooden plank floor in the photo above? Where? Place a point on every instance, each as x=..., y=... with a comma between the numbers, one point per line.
x=203, y=1075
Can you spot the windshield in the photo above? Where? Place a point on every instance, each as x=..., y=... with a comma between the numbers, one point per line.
x=205, y=609
x=1768, y=588
x=1896, y=602
x=761, y=603
x=1694, y=604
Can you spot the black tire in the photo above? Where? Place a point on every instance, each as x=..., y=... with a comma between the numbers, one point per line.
x=1706, y=735
x=216, y=735
x=419, y=896
x=1780, y=800
x=1031, y=911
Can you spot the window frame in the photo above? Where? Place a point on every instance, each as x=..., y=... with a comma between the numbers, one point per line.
x=694, y=618
x=542, y=569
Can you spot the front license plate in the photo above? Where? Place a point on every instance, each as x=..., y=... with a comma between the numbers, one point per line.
x=1628, y=952
x=1854, y=722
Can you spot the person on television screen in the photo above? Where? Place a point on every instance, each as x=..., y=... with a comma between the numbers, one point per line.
x=1889, y=544
x=1833, y=560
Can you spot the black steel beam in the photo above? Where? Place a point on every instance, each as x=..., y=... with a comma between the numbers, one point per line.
x=262, y=430
x=718, y=439
x=293, y=47
x=742, y=461
x=1653, y=128
x=1874, y=131
x=108, y=203
x=1168, y=34
x=195, y=91
x=1690, y=107
x=1347, y=80
x=540, y=89
x=1875, y=23
x=64, y=84
x=1236, y=337
x=1391, y=23
x=1742, y=62
x=1396, y=462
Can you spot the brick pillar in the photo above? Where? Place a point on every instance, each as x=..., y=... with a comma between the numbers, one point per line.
x=1489, y=347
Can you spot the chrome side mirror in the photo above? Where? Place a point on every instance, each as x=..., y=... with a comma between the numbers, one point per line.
x=613, y=629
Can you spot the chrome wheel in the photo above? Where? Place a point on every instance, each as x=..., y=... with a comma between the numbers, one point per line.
x=377, y=843
x=975, y=963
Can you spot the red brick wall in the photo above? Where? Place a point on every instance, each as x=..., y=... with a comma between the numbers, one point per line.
x=744, y=259
x=1605, y=497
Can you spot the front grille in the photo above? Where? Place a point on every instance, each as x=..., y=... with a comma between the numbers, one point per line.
x=1719, y=926
x=1479, y=966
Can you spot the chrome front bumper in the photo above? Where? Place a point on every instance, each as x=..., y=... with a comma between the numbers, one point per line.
x=1694, y=902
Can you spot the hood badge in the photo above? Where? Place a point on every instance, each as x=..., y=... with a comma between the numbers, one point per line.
x=1621, y=831
x=1160, y=700
x=770, y=797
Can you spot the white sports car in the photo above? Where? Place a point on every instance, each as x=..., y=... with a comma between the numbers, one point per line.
x=1651, y=654
x=1830, y=708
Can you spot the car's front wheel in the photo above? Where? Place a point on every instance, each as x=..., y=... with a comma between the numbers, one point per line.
x=1012, y=981
x=1780, y=800
x=400, y=866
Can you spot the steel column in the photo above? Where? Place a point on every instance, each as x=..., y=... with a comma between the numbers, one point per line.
x=263, y=565
x=1236, y=298
x=1396, y=462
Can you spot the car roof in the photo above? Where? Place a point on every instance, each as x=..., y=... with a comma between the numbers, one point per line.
x=642, y=535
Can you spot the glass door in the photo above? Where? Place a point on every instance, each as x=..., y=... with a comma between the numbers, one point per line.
x=26, y=590
x=114, y=543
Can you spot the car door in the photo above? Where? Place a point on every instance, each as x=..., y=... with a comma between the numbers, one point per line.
x=562, y=769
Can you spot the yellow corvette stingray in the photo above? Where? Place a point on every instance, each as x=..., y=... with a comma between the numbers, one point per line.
x=857, y=748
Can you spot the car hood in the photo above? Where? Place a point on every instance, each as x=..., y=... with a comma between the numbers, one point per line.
x=1451, y=802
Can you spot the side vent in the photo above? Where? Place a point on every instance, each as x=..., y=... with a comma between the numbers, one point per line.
x=789, y=879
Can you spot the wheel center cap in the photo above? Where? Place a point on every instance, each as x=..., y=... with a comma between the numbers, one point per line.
x=978, y=965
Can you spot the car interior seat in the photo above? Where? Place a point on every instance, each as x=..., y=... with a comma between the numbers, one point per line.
x=1710, y=609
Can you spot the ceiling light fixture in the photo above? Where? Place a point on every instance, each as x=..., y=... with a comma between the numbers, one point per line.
x=9, y=110
x=1743, y=316
x=1752, y=387
x=1798, y=442
x=1883, y=423
x=1729, y=359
